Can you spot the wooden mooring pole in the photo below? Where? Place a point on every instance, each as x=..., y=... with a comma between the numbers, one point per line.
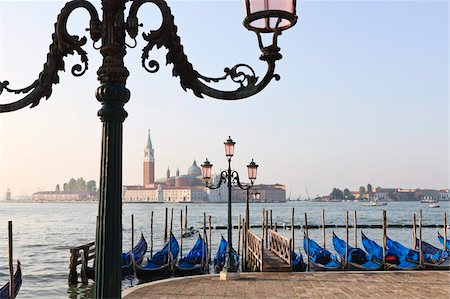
x=323, y=229
x=262, y=226
x=384, y=238
x=355, y=230
x=307, y=242
x=267, y=231
x=204, y=245
x=165, y=225
x=132, y=234
x=346, y=240
x=10, y=260
x=239, y=235
x=181, y=233
x=209, y=241
x=271, y=223
x=171, y=222
x=414, y=232
x=151, y=235
x=445, y=231
x=185, y=217
x=420, y=239
x=292, y=235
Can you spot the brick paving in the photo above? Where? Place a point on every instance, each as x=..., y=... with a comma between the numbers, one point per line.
x=402, y=284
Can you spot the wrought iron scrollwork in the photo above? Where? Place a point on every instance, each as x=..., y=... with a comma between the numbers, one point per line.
x=233, y=177
x=167, y=36
x=62, y=45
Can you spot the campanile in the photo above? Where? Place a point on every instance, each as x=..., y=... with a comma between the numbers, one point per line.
x=149, y=162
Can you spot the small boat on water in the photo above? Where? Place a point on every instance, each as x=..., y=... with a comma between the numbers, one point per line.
x=220, y=257
x=320, y=259
x=374, y=203
x=194, y=263
x=441, y=240
x=4, y=291
x=357, y=259
x=190, y=232
x=126, y=259
x=160, y=265
x=433, y=205
x=298, y=265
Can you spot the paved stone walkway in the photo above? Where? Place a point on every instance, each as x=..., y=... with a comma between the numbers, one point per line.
x=401, y=284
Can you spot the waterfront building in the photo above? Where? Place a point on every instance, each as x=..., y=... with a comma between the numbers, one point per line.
x=60, y=196
x=8, y=194
x=443, y=195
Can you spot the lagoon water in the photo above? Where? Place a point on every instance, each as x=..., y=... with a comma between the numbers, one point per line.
x=44, y=232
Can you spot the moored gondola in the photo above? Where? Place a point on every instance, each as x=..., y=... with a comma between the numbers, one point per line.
x=126, y=261
x=320, y=259
x=4, y=291
x=194, y=263
x=220, y=257
x=441, y=240
x=298, y=265
x=357, y=259
x=433, y=257
x=161, y=264
x=394, y=261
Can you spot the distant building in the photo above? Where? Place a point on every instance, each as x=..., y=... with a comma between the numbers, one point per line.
x=60, y=196
x=443, y=195
x=268, y=193
x=8, y=194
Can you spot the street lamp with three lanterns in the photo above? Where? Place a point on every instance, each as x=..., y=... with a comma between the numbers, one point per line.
x=231, y=177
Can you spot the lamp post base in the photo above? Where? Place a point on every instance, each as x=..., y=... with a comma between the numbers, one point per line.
x=224, y=275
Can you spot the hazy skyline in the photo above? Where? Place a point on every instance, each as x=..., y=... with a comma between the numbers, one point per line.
x=363, y=98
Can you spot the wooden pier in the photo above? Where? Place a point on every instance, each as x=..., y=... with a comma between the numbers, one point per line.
x=80, y=256
x=272, y=252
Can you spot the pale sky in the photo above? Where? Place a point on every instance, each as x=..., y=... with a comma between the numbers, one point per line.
x=363, y=98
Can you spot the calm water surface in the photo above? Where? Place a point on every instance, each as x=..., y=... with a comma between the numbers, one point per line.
x=43, y=233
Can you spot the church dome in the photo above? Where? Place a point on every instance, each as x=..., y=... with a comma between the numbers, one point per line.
x=194, y=170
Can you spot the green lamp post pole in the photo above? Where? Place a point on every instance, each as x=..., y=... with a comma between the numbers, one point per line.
x=230, y=177
x=111, y=30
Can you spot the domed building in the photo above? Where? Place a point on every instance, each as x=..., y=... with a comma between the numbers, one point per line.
x=188, y=187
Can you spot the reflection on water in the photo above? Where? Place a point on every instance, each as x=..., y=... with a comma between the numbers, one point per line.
x=43, y=233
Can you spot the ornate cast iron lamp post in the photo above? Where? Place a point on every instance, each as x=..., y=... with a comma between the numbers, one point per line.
x=231, y=177
x=262, y=16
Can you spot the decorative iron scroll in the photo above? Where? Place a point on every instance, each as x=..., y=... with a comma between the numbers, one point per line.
x=62, y=45
x=167, y=36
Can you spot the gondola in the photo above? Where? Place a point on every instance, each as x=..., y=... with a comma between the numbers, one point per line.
x=441, y=240
x=160, y=265
x=194, y=263
x=126, y=262
x=4, y=291
x=298, y=265
x=220, y=257
x=393, y=261
x=320, y=259
x=433, y=257
x=357, y=259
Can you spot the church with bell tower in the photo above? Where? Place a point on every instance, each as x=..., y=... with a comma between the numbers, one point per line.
x=149, y=164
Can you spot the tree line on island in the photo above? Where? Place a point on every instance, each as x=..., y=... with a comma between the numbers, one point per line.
x=348, y=195
x=79, y=186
